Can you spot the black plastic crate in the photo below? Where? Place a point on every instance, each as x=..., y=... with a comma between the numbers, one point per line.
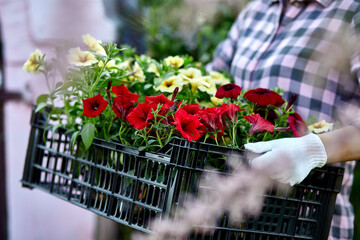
x=303, y=211
x=132, y=187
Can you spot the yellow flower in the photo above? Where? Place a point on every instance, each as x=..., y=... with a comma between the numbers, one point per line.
x=174, y=61
x=219, y=78
x=209, y=88
x=110, y=63
x=81, y=58
x=170, y=84
x=216, y=101
x=93, y=44
x=194, y=77
x=189, y=74
x=138, y=73
x=145, y=58
x=124, y=65
x=153, y=69
x=35, y=63
x=320, y=127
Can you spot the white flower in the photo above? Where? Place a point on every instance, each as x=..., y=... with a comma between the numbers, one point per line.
x=320, y=127
x=81, y=58
x=35, y=63
x=93, y=44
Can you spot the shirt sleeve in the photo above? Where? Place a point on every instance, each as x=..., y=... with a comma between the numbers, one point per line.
x=354, y=42
x=225, y=51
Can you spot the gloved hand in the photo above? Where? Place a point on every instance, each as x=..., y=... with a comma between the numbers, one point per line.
x=289, y=160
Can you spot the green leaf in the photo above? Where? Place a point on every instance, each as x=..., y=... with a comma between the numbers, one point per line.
x=42, y=99
x=58, y=84
x=73, y=140
x=88, y=134
x=142, y=148
x=55, y=127
x=40, y=107
x=151, y=141
x=66, y=86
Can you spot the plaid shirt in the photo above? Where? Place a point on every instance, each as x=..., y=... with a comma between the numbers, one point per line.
x=300, y=47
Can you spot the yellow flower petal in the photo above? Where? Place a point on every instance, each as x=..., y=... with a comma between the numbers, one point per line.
x=93, y=44
x=320, y=127
x=34, y=64
x=81, y=58
x=138, y=73
x=124, y=65
x=219, y=78
x=170, y=84
x=174, y=61
x=152, y=68
x=207, y=85
x=190, y=74
x=216, y=101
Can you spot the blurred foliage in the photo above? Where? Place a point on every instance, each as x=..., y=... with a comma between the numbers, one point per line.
x=177, y=27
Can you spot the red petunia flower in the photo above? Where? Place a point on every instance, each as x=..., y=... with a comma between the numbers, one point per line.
x=192, y=108
x=229, y=90
x=160, y=99
x=121, y=107
x=270, y=114
x=259, y=124
x=94, y=106
x=212, y=119
x=141, y=115
x=231, y=110
x=122, y=91
x=264, y=97
x=297, y=125
x=291, y=101
x=188, y=125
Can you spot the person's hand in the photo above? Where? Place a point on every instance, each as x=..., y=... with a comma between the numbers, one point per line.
x=289, y=160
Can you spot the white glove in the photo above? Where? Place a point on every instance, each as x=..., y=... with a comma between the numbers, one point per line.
x=289, y=160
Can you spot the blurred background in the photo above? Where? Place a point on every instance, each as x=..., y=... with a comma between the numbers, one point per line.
x=157, y=28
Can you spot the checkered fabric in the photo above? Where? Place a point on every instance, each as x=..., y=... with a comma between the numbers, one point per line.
x=303, y=47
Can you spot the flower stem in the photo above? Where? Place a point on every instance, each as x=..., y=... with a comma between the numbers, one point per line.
x=265, y=136
x=233, y=135
x=159, y=139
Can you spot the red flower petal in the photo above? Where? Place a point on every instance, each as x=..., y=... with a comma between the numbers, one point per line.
x=188, y=125
x=140, y=116
x=93, y=107
x=212, y=119
x=231, y=110
x=297, y=125
x=259, y=124
x=264, y=97
x=160, y=99
x=193, y=108
x=121, y=107
x=122, y=91
x=229, y=90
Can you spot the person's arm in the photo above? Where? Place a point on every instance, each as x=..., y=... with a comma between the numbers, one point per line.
x=342, y=144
